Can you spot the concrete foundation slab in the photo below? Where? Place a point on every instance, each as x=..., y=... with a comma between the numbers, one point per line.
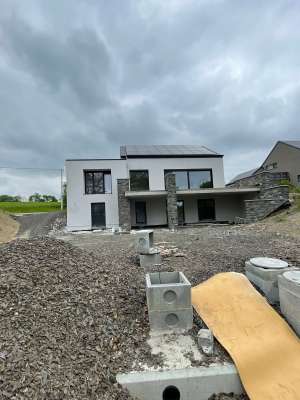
x=190, y=384
x=266, y=279
x=289, y=295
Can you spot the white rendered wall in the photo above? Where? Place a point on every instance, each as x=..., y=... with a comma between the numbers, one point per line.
x=156, y=167
x=155, y=209
x=79, y=203
x=227, y=207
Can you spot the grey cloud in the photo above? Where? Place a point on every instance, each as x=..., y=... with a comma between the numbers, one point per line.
x=80, y=78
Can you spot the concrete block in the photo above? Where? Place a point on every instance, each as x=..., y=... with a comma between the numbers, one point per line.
x=289, y=295
x=206, y=341
x=149, y=260
x=171, y=320
x=167, y=291
x=144, y=241
x=266, y=279
x=187, y=384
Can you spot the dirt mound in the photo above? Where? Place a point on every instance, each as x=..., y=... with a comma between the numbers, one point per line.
x=8, y=228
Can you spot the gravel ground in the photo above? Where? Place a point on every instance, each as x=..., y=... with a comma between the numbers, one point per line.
x=72, y=317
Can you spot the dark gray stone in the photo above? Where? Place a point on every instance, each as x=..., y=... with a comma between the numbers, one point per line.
x=124, y=205
x=171, y=201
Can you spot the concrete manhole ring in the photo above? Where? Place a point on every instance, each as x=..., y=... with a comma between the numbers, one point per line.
x=268, y=263
x=292, y=276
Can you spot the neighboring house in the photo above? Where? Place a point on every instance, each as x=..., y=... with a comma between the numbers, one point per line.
x=283, y=162
x=153, y=186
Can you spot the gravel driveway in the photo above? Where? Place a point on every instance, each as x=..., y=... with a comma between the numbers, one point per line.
x=37, y=224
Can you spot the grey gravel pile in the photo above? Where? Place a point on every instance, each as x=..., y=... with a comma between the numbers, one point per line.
x=69, y=322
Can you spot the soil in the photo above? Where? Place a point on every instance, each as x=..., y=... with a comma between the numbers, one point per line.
x=73, y=311
x=8, y=227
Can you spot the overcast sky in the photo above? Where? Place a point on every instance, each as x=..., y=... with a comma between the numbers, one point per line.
x=80, y=77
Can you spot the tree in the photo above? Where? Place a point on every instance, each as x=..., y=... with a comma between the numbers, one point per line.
x=64, y=196
x=7, y=197
x=35, y=197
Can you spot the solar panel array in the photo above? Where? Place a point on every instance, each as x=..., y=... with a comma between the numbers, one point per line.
x=165, y=150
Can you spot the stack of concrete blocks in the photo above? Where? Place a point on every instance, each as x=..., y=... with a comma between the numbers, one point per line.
x=289, y=296
x=263, y=272
x=149, y=255
x=169, y=301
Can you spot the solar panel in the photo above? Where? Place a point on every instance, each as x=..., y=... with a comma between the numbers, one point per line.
x=167, y=150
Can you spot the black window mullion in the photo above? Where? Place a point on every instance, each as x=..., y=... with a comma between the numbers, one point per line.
x=188, y=179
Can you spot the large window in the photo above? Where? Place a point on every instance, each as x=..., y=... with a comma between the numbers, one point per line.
x=97, y=182
x=192, y=179
x=139, y=180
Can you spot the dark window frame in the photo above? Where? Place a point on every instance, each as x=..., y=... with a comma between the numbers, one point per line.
x=104, y=172
x=214, y=209
x=168, y=171
x=138, y=170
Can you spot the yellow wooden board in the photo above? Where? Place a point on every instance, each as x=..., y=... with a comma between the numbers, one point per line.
x=264, y=348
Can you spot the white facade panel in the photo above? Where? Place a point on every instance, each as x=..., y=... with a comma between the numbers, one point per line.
x=79, y=203
x=156, y=167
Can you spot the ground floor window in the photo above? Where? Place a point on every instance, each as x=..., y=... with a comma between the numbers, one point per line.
x=298, y=178
x=206, y=209
x=98, y=215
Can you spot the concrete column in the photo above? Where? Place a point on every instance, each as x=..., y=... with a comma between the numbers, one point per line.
x=171, y=200
x=124, y=204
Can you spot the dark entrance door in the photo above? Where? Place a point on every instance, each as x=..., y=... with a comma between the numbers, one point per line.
x=206, y=209
x=180, y=212
x=98, y=215
x=140, y=213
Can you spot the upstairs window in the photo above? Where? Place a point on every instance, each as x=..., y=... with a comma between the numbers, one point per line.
x=97, y=181
x=192, y=179
x=139, y=180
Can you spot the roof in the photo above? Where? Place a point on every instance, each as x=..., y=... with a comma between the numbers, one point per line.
x=153, y=151
x=243, y=175
x=294, y=143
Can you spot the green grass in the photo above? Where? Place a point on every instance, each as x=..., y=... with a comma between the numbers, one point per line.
x=28, y=207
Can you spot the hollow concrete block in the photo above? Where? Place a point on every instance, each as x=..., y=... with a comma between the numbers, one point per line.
x=206, y=341
x=167, y=291
x=149, y=260
x=171, y=320
x=144, y=241
x=289, y=295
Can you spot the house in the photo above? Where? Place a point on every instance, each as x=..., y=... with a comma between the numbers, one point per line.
x=153, y=186
x=283, y=162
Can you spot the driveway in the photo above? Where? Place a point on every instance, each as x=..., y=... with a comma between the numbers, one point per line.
x=37, y=224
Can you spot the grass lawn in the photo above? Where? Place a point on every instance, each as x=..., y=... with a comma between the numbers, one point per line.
x=28, y=207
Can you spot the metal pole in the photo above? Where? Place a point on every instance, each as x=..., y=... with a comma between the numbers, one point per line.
x=61, y=190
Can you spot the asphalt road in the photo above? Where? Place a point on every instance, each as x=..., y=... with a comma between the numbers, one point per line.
x=37, y=224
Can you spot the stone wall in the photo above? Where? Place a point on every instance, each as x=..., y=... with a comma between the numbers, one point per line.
x=267, y=201
x=263, y=179
x=171, y=200
x=124, y=204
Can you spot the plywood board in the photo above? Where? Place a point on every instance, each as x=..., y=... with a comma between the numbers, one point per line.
x=264, y=348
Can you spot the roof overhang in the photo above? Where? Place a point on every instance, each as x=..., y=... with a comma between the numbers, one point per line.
x=146, y=193
x=211, y=191
x=216, y=191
